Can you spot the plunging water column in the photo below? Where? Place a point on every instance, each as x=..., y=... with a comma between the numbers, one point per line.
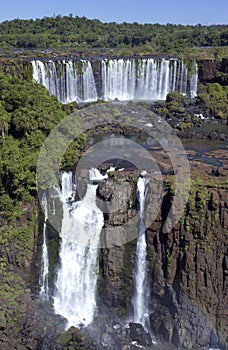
x=67, y=80
x=76, y=281
x=140, y=296
x=44, y=287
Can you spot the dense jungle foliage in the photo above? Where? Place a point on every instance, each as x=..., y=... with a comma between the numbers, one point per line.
x=27, y=114
x=81, y=32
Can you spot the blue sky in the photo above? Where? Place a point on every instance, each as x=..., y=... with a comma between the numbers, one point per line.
x=142, y=11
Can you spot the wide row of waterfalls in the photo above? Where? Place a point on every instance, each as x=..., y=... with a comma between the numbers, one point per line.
x=120, y=79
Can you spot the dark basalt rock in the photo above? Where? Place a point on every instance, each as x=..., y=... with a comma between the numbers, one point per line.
x=188, y=288
x=140, y=335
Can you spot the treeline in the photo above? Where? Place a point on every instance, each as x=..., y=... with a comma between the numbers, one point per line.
x=81, y=32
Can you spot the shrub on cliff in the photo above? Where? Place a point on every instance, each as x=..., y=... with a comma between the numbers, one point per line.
x=215, y=100
x=174, y=96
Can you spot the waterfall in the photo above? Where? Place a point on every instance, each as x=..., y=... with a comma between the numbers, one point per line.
x=140, y=296
x=118, y=79
x=76, y=280
x=67, y=80
x=109, y=79
x=194, y=82
x=68, y=188
x=44, y=289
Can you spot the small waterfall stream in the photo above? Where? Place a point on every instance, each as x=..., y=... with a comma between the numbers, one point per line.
x=140, y=296
x=44, y=289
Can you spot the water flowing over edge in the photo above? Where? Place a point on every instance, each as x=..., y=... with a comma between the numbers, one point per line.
x=44, y=286
x=141, y=291
x=82, y=308
x=75, y=294
x=111, y=79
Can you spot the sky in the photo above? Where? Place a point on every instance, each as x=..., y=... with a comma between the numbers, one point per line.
x=143, y=11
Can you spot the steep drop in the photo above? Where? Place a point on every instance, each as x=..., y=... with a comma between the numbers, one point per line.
x=67, y=80
x=76, y=280
x=141, y=290
x=44, y=287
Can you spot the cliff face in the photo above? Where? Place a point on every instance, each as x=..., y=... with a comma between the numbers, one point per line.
x=187, y=272
x=17, y=249
x=212, y=71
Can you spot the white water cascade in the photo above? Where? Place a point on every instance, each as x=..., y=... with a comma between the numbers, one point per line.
x=146, y=79
x=76, y=281
x=67, y=80
x=44, y=289
x=140, y=296
x=110, y=79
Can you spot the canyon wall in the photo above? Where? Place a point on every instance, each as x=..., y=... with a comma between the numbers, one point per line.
x=187, y=272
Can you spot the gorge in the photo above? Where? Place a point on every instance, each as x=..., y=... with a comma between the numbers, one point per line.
x=183, y=272
x=175, y=265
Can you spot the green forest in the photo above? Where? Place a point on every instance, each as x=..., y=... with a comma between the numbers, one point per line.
x=81, y=32
x=25, y=121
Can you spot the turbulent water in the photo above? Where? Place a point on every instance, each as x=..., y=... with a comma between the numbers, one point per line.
x=44, y=289
x=140, y=297
x=110, y=79
x=76, y=280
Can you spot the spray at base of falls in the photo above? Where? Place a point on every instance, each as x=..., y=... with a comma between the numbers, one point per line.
x=76, y=281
